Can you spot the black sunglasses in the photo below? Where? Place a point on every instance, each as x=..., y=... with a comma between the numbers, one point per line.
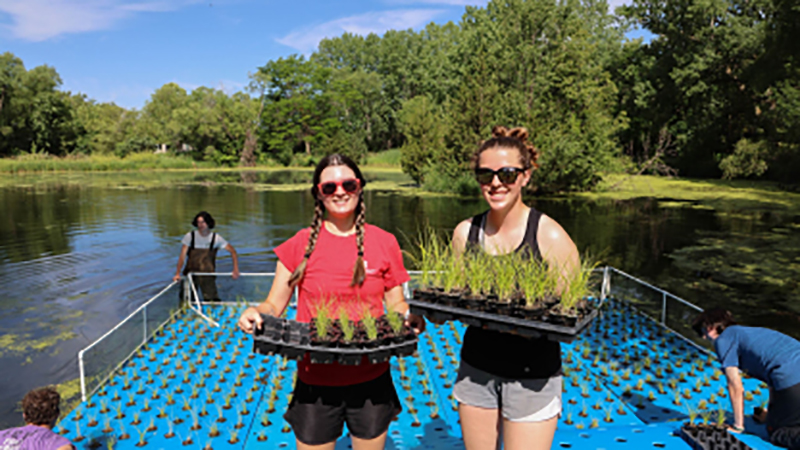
x=506, y=175
x=350, y=186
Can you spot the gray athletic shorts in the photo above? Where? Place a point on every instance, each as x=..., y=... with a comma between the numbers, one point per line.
x=530, y=400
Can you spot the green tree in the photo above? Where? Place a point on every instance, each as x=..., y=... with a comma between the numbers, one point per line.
x=423, y=124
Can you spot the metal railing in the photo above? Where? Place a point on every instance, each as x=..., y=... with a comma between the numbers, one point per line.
x=132, y=333
x=128, y=336
x=669, y=310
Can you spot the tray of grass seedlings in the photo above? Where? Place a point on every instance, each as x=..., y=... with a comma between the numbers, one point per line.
x=332, y=336
x=709, y=435
x=507, y=293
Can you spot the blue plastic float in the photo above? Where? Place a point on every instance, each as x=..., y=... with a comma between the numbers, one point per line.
x=629, y=383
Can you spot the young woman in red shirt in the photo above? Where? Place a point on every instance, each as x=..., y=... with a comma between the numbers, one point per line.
x=509, y=386
x=341, y=259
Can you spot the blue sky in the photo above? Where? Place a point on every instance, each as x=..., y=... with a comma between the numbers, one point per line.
x=122, y=50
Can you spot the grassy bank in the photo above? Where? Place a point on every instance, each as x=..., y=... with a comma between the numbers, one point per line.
x=97, y=163
x=148, y=161
x=721, y=195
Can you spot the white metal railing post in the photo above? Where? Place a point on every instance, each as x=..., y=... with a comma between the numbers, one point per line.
x=663, y=308
x=83, y=376
x=605, y=287
x=144, y=325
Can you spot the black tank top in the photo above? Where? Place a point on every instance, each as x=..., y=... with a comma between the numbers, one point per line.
x=503, y=354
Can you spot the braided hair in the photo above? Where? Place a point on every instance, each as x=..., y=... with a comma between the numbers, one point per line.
x=359, y=271
x=516, y=138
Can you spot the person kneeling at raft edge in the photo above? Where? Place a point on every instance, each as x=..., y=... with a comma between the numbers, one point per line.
x=40, y=412
x=764, y=354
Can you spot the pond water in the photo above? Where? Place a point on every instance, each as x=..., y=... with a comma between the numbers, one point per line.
x=78, y=253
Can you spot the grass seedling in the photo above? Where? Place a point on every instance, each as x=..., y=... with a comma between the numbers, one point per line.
x=142, y=433
x=348, y=329
x=395, y=322
x=122, y=433
x=429, y=246
x=706, y=415
x=234, y=436
x=369, y=323
x=692, y=413
x=609, y=414
x=322, y=318
x=720, y=417
x=505, y=275
x=478, y=273
x=535, y=283
x=576, y=286
x=195, y=420
x=453, y=274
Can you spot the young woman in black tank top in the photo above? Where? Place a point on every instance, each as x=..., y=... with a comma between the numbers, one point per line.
x=509, y=386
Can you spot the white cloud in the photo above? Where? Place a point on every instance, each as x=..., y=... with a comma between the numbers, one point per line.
x=306, y=40
x=39, y=20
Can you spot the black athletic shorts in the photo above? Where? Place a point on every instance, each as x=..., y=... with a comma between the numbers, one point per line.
x=318, y=413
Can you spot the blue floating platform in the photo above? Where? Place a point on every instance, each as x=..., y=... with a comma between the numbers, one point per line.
x=629, y=383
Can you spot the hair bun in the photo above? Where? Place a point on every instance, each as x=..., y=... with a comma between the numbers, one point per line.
x=520, y=133
x=499, y=131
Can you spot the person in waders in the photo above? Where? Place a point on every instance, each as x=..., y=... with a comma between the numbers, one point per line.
x=200, y=253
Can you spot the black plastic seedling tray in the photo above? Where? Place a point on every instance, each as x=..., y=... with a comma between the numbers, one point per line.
x=498, y=322
x=704, y=437
x=292, y=339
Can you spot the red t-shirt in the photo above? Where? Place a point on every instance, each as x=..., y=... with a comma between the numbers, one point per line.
x=328, y=274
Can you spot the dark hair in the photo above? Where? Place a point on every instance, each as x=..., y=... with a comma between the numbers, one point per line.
x=359, y=271
x=206, y=217
x=718, y=318
x=40, y=406
x=516, y=138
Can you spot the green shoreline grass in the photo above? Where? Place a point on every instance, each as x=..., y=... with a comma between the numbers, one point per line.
x=144, y=171
x=30, y=164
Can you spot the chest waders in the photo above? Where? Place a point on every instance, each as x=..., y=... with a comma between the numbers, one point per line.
x=203, y=260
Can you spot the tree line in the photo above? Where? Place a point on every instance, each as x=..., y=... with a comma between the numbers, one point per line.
x=715, y=93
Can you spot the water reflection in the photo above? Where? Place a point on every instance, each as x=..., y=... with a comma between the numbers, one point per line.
x=77, y=255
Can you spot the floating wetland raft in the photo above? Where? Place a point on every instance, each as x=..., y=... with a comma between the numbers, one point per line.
x=628, y=384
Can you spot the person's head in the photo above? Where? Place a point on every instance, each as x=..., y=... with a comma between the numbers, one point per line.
x=337, y=187
x=40, y=407
x=203, y=221
x=712, y=322
x=503, y=166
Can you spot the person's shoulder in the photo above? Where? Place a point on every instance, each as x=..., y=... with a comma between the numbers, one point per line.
x=378, y=233
x=550, y=230
x=303, y=233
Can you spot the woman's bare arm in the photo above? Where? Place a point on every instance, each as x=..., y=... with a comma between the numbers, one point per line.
x=279, y=295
